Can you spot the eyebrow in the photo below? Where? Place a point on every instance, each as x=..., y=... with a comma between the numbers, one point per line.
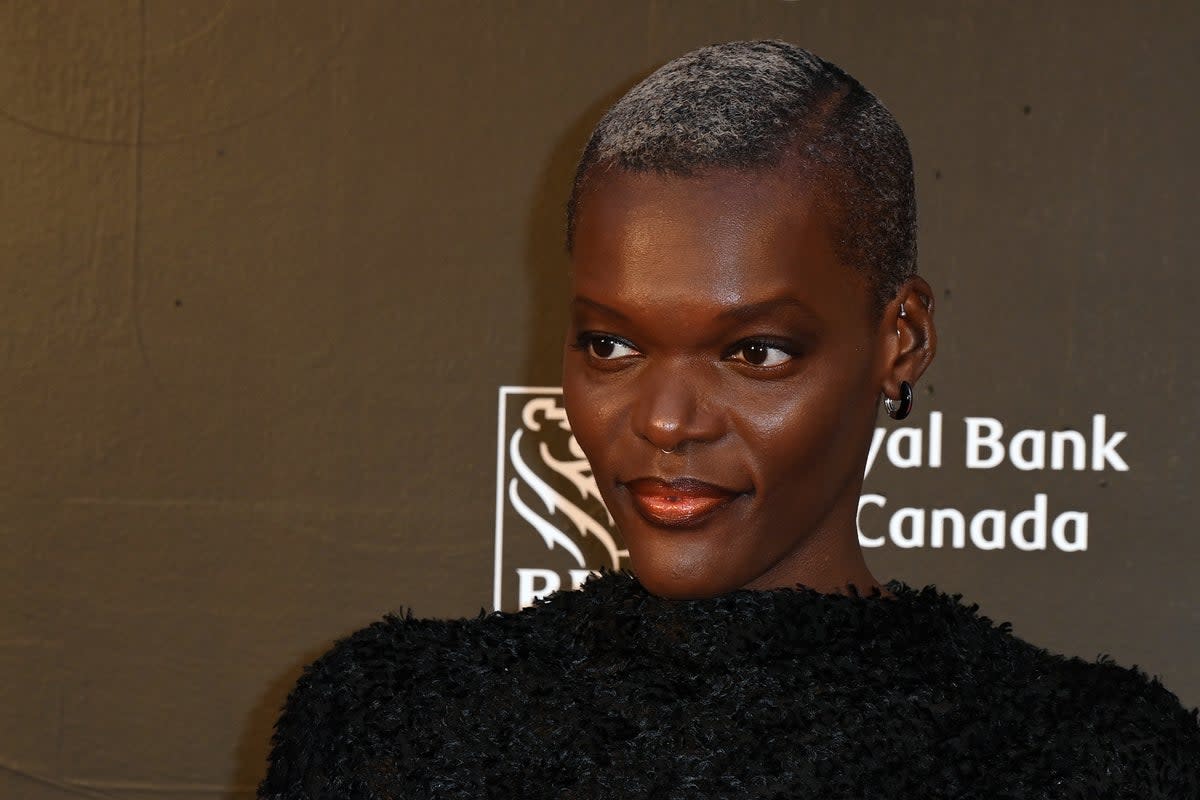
x=743, y=313
x=765, y=308
x=609, y=310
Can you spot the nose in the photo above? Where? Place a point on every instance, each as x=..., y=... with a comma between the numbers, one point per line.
x=675, y=406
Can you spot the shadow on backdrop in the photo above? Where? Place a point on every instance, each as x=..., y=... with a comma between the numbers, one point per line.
x=546, y=260
x=253, y=744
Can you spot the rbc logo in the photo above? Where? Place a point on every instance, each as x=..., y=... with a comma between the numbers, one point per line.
x=552, y=529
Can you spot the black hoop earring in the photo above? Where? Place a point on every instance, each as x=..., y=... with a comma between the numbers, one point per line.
x=898, y=409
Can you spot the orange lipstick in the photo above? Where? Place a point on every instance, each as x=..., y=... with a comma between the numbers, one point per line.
x=678, y=503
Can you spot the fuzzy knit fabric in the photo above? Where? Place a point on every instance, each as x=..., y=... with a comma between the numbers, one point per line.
x=612, y=692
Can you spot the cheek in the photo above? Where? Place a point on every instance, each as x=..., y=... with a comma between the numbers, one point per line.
x=588, y=414
x=809, y=433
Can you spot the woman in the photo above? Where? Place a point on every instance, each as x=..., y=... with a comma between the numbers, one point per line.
x=742, y=232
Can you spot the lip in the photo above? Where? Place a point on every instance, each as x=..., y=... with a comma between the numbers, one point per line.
x=678, y=503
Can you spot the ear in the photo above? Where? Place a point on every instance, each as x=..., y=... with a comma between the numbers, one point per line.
x=909, y=339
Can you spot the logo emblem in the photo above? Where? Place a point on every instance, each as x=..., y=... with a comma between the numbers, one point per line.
x=552, y=529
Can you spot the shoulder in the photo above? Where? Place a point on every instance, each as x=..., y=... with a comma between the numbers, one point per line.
x=1050, y=717
x=1129, y=726
x=353, y=703
x=390, y=690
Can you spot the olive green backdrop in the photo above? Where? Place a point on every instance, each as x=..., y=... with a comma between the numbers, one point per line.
x=266, y=265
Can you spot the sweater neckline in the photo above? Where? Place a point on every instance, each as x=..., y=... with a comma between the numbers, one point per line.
x=612, y=612
x=619, y=592
x=624, y=582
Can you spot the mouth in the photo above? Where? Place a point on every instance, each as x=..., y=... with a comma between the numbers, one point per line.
x=679, y=503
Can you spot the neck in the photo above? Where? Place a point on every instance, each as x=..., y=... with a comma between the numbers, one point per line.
x=828, y=573
x=829, y=560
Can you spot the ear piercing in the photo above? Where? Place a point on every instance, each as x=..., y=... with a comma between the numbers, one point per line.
x=899, y=409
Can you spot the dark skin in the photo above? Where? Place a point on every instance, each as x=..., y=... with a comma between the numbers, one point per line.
x=711, y=317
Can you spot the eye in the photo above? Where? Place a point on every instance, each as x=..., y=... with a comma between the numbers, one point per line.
x=761, y=354
x=604, y=347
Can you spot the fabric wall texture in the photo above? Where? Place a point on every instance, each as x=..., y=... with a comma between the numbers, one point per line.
x=284, y=280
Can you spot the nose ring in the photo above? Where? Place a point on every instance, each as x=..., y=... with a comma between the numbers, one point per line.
x=672, y=450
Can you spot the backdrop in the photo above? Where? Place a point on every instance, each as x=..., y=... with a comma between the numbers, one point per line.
x=284, y=293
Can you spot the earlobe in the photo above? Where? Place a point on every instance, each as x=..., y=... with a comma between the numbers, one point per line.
x=899, y=409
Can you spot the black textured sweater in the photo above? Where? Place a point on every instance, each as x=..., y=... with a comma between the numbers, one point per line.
x=611, y=692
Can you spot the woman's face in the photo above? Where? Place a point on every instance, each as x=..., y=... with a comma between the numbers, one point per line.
x=710, y=319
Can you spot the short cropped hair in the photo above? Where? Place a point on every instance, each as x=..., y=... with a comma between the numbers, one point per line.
x=750, y=105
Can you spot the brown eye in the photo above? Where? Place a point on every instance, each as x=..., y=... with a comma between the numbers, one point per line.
x=606, y=348
x=761, y=354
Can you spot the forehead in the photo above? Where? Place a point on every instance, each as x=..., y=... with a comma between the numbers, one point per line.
x=725, y=237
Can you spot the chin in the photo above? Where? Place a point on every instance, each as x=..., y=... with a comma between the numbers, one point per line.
x=679, y=582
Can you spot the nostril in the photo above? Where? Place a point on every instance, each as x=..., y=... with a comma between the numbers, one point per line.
x=668, y=410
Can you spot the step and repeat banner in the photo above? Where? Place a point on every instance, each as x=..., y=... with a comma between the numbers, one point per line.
x=559, y=532
x=286, y=302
